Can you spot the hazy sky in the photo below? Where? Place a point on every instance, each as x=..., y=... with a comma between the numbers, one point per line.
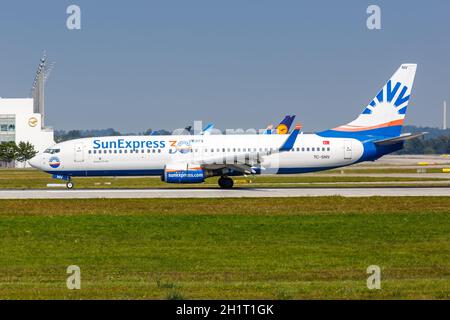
x=240, y=64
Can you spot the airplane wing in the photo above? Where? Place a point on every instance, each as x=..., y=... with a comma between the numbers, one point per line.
x=402, y=137
x=247, y=162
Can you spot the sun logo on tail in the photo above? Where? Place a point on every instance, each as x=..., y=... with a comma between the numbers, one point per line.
x=388, y=98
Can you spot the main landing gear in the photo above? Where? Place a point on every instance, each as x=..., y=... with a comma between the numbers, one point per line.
x=69, y=185
x=226, y=182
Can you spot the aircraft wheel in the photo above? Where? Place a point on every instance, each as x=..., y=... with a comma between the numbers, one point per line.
x=69, y=185
x=226, y=183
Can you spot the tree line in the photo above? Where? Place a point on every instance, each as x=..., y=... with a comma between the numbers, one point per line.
x=437, y=145
x=10, y=152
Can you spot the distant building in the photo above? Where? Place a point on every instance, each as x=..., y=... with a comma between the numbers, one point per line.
x=23, y=119
x=18, y=122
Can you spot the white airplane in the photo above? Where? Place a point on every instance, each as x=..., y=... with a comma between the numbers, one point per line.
x=193, y=158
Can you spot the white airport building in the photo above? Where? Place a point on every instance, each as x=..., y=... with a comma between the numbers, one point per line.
x=22, y=120
x=19, y=122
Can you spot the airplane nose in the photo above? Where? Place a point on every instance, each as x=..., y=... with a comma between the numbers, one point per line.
x=35, y=161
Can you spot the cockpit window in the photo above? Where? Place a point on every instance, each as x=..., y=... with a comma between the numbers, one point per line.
x=52, y=151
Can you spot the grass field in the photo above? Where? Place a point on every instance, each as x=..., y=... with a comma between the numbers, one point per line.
x=226, y=248
x=33, y=179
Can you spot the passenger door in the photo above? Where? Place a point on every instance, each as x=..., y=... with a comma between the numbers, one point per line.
x=348, y=149
x=79, y=152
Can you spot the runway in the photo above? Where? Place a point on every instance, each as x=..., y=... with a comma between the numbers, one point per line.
x=218, y=193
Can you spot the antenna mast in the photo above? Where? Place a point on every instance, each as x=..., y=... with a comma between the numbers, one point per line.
x=444, y=120
x=37, y=91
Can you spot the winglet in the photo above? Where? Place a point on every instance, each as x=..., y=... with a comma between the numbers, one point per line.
x=290, y=141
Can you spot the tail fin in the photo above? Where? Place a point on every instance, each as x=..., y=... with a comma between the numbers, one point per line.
x=268, y=129
x=208, y=129
x=285, y=125
x=385, y=114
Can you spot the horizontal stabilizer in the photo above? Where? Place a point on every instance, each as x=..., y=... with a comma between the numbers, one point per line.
x=402, y=137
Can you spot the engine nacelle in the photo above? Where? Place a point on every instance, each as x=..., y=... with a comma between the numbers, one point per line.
x=183, y=173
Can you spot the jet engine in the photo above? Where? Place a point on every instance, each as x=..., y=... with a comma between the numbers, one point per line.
x=183, y=173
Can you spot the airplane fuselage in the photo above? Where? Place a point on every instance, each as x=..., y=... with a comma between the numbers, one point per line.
x=150, y=155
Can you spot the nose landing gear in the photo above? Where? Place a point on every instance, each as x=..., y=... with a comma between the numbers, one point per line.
x=69, y=183
x=226, y=182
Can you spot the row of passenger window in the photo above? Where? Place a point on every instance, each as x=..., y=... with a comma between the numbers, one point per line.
x=119, y=151
x=314, y=149
x=223, y=150
x=115, y=151
x=304, y=149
